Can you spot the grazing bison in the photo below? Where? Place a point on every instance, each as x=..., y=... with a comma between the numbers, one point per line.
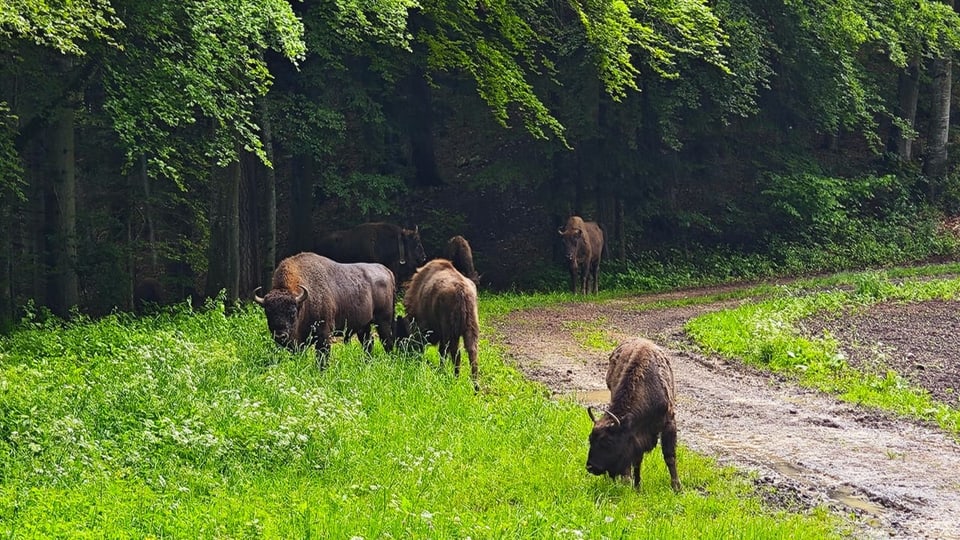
x=582, y=246
x=312, y=297
x=641, y=409
x=459, y=253
x=396, y=248
x=441, y=307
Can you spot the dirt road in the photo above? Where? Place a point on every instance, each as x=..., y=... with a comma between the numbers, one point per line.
x=900, y=478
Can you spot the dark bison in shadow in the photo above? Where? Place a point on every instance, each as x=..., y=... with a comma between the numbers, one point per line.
x=313, y=296
x=459, y=253
x=582, y=246
x=393, y=246
x=641, y=410
x=441, y=308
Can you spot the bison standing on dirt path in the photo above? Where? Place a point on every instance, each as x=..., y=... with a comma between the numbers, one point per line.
x=582, y=246
x=313, y=296
x=396, y=248
x=641, y=409
x=441, y=308
x=459, y=253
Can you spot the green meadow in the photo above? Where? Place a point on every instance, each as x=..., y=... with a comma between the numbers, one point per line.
x=192, y=424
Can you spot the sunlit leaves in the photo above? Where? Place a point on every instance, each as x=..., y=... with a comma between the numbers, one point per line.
x=63, y=26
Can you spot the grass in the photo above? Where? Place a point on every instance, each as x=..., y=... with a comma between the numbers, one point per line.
x=765, y=334
x=193, y=425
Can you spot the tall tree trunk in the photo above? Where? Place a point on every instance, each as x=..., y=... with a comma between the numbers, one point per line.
x=941, y=75
x=224, y=250
x=621, y=232
x=61, y=206
x=908, y=90
x=420, y=128
x=301, y=205
x=269, y=260
x=148, y=217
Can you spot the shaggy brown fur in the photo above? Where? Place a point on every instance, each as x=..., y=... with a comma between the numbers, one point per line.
x=459, y=253
x=396, y=248
x=582, y=247
x=312, y=297
x=642, y=400
x=441, y=306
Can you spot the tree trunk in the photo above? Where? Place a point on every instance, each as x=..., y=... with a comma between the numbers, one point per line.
x=148, y=218
x=908, y=90
x=224, y=250
x=620, y=232
x=61, y=206
x=941, y=74
x=269, y=237
x=301, y=206
x=419, y=122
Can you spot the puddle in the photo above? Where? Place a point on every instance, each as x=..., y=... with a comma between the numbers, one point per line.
x=847, y=497
x=592, y=397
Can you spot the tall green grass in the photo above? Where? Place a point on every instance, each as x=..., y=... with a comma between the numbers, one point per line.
x=193, y=425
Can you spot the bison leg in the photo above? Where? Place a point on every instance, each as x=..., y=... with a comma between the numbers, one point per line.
x=386, y=329
x=636, y=471
x=365, y=335
x=595, y=274
x=574, y=278
x=668, y=445
x=470, y=344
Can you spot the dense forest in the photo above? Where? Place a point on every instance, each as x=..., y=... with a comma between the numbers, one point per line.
x=195, y=143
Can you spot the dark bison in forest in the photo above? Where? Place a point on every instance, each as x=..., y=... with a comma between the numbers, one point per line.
x=641, y=409
x=582, y=246
x=459, y=253
x=393, y=246
x=441, y=308
x=313, y=296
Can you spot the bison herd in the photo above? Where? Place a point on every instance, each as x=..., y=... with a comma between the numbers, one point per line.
x=351, y=283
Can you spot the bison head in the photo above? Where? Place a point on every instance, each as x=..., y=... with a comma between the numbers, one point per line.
x=412, y=248
x=572, y=242
x=609, y=443
x=282, y=309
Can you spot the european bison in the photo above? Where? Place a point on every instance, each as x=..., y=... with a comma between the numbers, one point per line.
x=641, y=409
x=459, y=253
x=396, y=248
x=582, y=246
x=313, y=296
x=441, y=308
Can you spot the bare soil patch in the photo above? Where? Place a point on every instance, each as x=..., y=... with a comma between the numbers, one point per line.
x=898, y=478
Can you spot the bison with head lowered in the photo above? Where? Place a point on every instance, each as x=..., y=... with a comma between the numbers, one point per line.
x=641, y=410
x=312, y=297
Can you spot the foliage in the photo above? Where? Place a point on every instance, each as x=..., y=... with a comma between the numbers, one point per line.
x=195, y=68
x=63, y=26
x=368, y=194
x=194, y=424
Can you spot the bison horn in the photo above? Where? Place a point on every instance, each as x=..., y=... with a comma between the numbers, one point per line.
x=256, y=296
x=591, y=408
x=303, y=295
x=403, y=258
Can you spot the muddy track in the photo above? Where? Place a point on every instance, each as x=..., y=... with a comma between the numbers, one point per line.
x=900, y=479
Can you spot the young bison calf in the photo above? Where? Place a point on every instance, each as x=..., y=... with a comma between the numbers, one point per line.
x=641, y=409
x=441, y=306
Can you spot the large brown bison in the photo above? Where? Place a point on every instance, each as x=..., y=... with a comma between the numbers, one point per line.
x=459, y=253
x=393, y=246
x=641, y=409
x=441, y=308
x=313, y=296
x=582, y=246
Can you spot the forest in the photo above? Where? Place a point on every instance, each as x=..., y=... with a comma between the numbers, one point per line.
x=199, y=142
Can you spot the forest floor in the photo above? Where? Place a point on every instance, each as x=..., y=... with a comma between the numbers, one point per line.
x=892, y=477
